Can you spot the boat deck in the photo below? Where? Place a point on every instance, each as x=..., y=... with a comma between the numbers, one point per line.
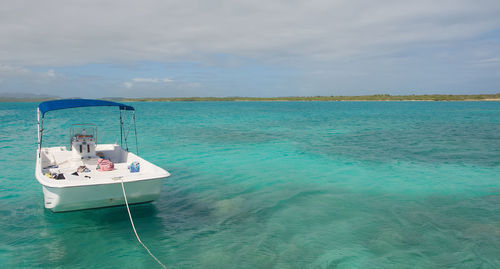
x=70, y=167
x=59, y=160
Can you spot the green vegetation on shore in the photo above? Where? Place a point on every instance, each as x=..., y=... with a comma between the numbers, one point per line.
x=26, y=100
x=376, y=97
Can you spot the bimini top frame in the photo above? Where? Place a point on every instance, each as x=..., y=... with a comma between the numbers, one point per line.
x=47, y=106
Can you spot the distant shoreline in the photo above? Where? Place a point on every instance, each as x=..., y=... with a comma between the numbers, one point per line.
x=363, y=98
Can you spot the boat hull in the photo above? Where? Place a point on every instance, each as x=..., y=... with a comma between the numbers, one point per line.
x=102, y=195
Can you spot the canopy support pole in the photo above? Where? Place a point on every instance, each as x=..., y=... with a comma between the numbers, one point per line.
x=121, y=129
x=39, y=133
x=135, y=131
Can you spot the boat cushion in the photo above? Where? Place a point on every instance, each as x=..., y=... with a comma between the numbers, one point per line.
x=105, y=165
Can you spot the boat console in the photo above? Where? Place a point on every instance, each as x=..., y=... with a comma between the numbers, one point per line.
x=83, y=141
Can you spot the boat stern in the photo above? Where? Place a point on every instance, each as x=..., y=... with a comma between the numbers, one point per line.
x=104, y=195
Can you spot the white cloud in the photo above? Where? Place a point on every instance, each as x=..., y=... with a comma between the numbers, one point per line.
x=81, y=32
x=130, y=84
x=489, y=61
x=12, y=70
x=152, y=80
x=51, y=73
x=15, y=78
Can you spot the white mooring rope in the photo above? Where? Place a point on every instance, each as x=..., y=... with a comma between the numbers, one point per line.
x=133, y=227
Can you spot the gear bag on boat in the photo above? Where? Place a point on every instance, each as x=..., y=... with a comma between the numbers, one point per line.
x=105, y=165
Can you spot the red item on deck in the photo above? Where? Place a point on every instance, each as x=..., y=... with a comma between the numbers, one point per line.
x=105, y=165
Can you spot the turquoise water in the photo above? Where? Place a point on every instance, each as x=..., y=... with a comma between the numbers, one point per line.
x=272, y=185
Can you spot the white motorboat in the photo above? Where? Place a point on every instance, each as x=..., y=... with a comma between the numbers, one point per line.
x=78, y=178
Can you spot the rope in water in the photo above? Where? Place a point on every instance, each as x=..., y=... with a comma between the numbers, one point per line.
x=133, y=227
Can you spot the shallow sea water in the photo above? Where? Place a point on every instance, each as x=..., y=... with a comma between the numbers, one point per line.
x=272, y=185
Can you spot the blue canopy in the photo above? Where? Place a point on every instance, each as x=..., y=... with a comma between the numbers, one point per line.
x=72, y=103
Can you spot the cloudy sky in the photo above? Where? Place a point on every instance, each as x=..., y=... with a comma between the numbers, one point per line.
x=249, y=48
